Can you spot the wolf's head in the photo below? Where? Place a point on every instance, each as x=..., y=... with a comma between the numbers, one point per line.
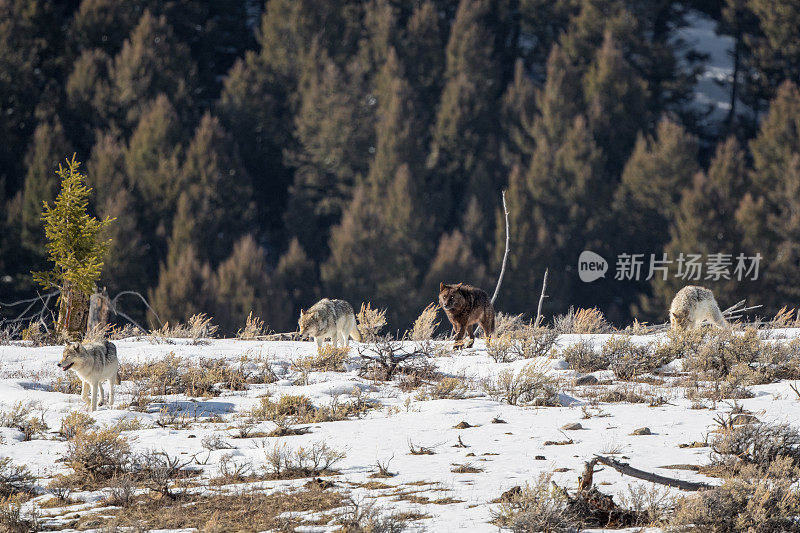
x=451, y=298
x=308, y=323
x=74, y=354
x=679, y=321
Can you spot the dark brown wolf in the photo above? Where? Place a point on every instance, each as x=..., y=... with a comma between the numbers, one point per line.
x=466, y=306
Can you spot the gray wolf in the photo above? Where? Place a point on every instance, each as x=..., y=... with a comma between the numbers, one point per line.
x=93, y=363
x=694, y=305
x=465, y=306
x=332, y=319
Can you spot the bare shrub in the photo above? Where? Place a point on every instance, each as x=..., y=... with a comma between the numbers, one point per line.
x=505, y=323
x=748, y=502
x=232, y=471
x=9, y=332
x=651, y=502
x=365, y=517
x=301, y=410
x=14, y=479
x=385, y=356
x=720, y=352
x=98, y=455
x=327, y=359
x=582, y=321
x=20, y=417
x=36, y=334
x=74, y=423
x=756, y=444
x=583, y=357
x=425, y=325
x=628, y=359
x=98, y=332
x=315, y=460
x=121, y=491
x=370, y=322
x=158, y=470
x=530, y=384
x=215, y=442
x=539, y=507
x=253, y=328
x=524, y=341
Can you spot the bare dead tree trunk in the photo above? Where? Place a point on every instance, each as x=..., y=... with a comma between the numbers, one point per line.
x=505, y=254
x=73, y=311
x=98, y=310
x=541, y=299
x=628, y=470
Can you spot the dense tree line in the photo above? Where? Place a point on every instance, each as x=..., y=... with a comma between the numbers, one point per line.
x=258, y=156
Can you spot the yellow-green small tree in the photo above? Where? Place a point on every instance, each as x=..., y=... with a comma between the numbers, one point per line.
x=76, y=246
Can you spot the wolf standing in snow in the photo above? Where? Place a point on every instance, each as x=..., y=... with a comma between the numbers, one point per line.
x=330, y=318
x=93, y=363
x=464, y=306
x=692, y=306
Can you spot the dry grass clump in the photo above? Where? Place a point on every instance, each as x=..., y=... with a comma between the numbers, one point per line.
x=751, y=501
x=327, y=359
x=582, y=321
x=448, y=388
x=198, y=328
x=37, y=335
x=529, y=385
x=245, y=510
x=370, y=322
x=425, y=325
x=583, y=357
x=253, y=328
x=74, y=423
x=628, y=359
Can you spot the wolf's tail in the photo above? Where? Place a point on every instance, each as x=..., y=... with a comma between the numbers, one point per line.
x=355, y=334
x=118, y=380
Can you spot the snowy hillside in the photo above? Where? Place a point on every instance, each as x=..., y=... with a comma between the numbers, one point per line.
x=505, y=445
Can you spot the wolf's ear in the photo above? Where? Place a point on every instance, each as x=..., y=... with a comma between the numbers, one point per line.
x=302, y=312
x=459, y=285
x=441, y=286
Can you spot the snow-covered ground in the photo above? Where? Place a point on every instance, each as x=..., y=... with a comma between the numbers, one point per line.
x=511, y=453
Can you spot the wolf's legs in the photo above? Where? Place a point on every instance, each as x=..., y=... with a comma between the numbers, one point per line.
x=471, y=341
x=95, y=386
x=460, y=331
x=85, y=392
x=319, y=343
x=101, y=397
x=111, y=392
x=345, y=339
x=335, y=339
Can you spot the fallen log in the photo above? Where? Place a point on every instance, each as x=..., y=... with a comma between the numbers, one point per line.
x=628, y=470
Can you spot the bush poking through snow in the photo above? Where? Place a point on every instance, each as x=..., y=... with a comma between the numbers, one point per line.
x=425, y=325
x=522, y=342
x=328, y=359
x=582, y=357
x=756, y=444
x=14, y=479
x=74, y=423
x=628, y=359
x=98, y=455
x=365, y=517
x=386, y=356
x=12, y=520
x=198, y=328
x=370, y=322
x=318, y=459
x=748, y=502
x=582, y=321
x=529, y=385
x=253, y=328
x=539, y=507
